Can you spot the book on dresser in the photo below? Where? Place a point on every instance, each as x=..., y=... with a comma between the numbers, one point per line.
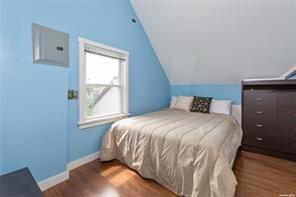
x=269, y=117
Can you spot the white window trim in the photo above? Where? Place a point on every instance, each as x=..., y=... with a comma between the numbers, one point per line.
x=86, y=123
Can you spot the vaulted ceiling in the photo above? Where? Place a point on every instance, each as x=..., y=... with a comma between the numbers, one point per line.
x=220, y=41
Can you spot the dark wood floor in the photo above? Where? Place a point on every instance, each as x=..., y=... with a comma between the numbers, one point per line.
x=257, y=175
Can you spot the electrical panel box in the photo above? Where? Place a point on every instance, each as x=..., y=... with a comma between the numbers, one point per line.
x=50, y=46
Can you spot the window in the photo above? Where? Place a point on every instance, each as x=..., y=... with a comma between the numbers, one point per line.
x=103, y=83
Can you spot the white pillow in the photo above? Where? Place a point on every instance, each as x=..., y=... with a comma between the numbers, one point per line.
x=221, y=106
x=173, y=101
x=184, y=103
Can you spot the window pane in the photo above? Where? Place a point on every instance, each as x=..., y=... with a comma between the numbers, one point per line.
x=101, y=69
x=102, y=101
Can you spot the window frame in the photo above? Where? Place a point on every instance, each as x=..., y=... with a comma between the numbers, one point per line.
x=85, y=122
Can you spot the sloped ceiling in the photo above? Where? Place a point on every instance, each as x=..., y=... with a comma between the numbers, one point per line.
x=220, y=41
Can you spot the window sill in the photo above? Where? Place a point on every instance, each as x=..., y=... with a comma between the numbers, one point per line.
x=100, y=121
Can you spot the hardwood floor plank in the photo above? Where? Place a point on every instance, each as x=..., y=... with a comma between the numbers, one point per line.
x=257, y=175
x=260, y=175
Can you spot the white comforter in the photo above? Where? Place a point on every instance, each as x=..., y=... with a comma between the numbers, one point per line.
x=189, y=153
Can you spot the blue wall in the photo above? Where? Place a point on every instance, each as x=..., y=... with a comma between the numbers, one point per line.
x=217, y=91
x=1, y=114
x=1, y=94
x=34, y=98
x=40, y=125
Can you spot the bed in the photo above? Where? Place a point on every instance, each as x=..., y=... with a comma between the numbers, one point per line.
x=189, y=153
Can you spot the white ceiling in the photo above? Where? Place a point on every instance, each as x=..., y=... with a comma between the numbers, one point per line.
x=220, y=41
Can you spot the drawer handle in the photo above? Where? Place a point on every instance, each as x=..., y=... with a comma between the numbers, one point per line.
x=294, y=99
x=259, y=139
x=259, y=112
x=259, y=125
x=294, y=130
x=259, y=99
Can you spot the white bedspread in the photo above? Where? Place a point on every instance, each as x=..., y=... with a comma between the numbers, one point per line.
x=189, y=153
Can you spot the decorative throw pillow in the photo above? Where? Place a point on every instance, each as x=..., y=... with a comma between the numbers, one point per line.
x=183, y=103
x=201, y=104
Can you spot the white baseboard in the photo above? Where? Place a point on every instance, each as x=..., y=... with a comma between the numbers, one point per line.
x=84, y=160
x=63, y=176
x=52, y=181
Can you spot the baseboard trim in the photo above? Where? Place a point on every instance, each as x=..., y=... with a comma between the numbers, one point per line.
x=63, y=176
x=84, y=160
x=54, y=180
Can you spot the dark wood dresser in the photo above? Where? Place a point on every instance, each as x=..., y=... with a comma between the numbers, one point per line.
x=269, y=117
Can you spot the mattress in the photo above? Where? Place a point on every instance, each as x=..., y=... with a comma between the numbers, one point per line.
x=189, y=153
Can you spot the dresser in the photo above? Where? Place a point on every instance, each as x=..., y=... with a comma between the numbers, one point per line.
x=269, y=117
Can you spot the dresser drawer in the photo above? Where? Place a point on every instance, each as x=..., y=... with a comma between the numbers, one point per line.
x=258, y=98
x=288, y=130
x=260, y=113
x=261, y=124
x=287, y=114
x=287, y=99
x=270, y=139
